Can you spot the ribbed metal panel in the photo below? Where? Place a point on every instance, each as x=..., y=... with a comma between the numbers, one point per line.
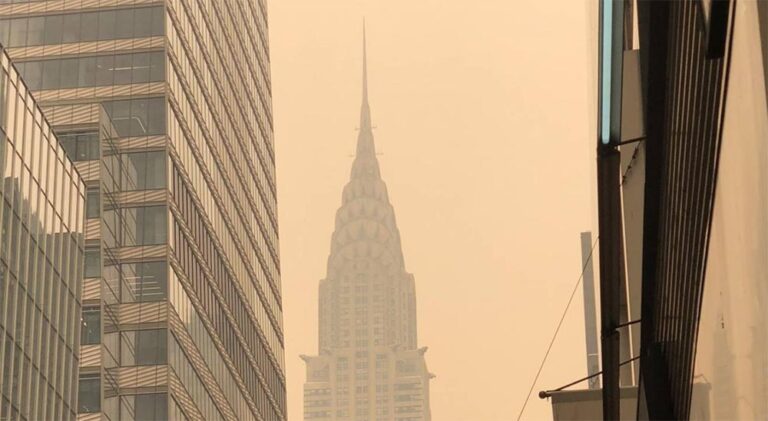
x=89, y=417
x=139, y=142
x=134, y=313
x=91, y=289
x=90, y=355
x=89, y=170
x=140, y=376
x=72, y=114
x=683, y=141
x=139, y=253
x=92, y=229
x=124, y=199
x=182, y=397
x=100, y=92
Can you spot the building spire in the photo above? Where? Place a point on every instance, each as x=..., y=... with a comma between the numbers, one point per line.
x=366, y=151
x=365, y=68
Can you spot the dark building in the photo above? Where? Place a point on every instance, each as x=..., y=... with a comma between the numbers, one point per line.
x=683, y=164
x=697, y=252
x=42, y=206
x=165, y=105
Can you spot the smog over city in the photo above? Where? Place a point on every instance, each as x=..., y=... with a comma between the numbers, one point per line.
x=370, y=210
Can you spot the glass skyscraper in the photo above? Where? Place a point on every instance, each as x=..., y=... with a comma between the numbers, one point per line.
x=165, y=107
x=42, y=205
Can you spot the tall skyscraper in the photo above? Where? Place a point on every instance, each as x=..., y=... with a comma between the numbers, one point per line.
x=369, y=366
x=42, y=205
x=166, y=107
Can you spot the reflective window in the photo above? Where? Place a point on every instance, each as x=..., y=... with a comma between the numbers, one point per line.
x=93, y=204
x=89, y=396
x=145, y=225
x=92, y=263
x=91, y=332
x=145, y=281
x=137, y=117
x=81, y=27
x=151, y=407
x=83, y=72
x=80, y=146
x=151, y=347
x=144, y=170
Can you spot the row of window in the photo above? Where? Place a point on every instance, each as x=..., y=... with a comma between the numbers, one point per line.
x=84, y=72
x=137, y=117
x=81, y=27
x=138, y=282
x=225, y=329
x=135, y=226
x=144, y=407
x=216, y=264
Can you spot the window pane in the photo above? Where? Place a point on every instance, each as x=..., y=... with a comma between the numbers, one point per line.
x=156, y=111
x=92, y=263
x=91, y=143
x=53, y=29
x=151, y=347
x=107, y=25
x=51, y=73
x=86, y=72
x=18, y=32
x=145, y=282
x=122, y=69
x=89, y=397
x=142, y=22
x=152, y=224
x=158, y=19
x=140, y=117
x=152, y=407
x=91, y=332
x=104, y=70
x=157, y=67
x=140, y=67
x=35, y=31
x=89, y=26
x=32, y=73
x=71, y=28
x=69, y=73
x=144, y=170
x=93, y=204
x=124, y=24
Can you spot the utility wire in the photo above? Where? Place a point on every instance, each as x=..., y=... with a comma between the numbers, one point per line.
x=559, y=324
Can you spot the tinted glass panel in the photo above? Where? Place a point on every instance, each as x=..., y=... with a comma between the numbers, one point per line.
x=145, y=282
x=144, y=170
x=89, y=397
x=151, y=347
x=152, y=407
x=80, y=146
x=84, y=72
x=145, y=225
x=93, y=205
x=91, y=332
x=82, y=27
x=92, y=263
x=137, y=117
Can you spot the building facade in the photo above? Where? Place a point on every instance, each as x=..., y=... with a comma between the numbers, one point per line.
x=42, y=238
x=165, y=105
x=368, y=366
x=689, y=82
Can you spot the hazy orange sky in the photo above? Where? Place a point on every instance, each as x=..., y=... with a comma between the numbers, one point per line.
x=483, y=114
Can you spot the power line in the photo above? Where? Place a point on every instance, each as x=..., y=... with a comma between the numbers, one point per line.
x=559, y=324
